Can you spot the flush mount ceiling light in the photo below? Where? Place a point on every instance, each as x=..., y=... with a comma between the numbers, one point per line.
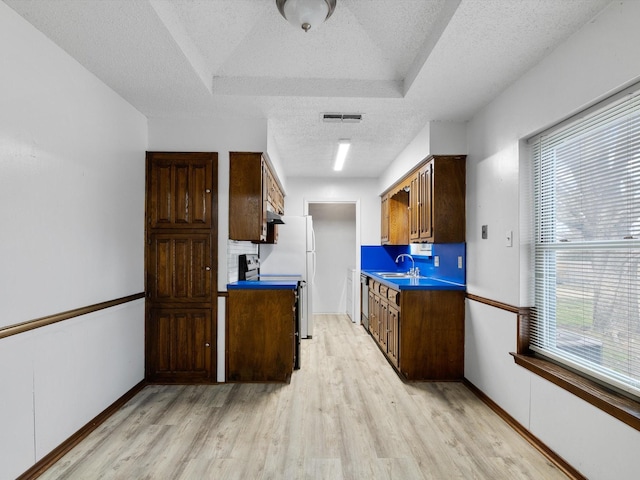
x=343, y=149
x=306, y=13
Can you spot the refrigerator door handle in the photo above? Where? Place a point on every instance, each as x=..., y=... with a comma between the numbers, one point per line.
x=313, y=278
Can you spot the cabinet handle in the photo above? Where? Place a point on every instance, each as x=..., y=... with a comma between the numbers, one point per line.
x=207, y=268
x=207, y=344
x=208, y=190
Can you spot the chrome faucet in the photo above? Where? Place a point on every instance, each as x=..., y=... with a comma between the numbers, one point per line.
x=413, y=272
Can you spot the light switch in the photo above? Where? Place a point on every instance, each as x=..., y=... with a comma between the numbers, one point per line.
x=508, y=238
x=436, y=261
x=485, y=229
x=459, y=261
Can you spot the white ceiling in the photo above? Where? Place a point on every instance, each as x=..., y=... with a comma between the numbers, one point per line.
x=401, y=63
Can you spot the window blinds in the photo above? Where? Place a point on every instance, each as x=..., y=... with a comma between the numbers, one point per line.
x=587, y=243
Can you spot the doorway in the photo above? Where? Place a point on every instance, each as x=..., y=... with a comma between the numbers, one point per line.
x=337, y=257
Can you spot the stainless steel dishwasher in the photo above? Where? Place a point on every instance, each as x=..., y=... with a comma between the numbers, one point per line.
x=364, y=301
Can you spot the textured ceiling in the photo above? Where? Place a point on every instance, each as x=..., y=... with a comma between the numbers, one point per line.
x=401, y=63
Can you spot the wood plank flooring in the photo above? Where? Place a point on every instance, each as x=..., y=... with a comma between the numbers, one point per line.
x=345, y=415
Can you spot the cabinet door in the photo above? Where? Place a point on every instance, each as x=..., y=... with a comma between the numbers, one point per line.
x=265, y=200
x=179, y=345
x=260, y=335
x=414, y=209
x=179, y=268
x=179, y=190
x=373, y=314
x=280, y=201
x=425, y=204
x=393, y=326
x=247, y=197
x=384, y=320
x=384, y=216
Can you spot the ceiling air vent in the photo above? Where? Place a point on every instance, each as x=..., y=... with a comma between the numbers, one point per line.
x=342, y=117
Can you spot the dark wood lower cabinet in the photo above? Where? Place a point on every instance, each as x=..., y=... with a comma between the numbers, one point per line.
x=260, y=335
x=393, y=342
x=432, y=335
x=180, y=345
x=421, y=332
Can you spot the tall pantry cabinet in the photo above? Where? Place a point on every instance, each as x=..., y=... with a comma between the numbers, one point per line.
x=181, y=267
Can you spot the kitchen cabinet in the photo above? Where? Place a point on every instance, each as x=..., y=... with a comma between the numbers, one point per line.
x=374, y=311
x=384, y=323
x=179, y=191
x=415, y=198
x=180, y=267
x=384, y=219
x=383, y=318
x=427, y=205
x=179, y=344
x=393, y=326
x=421, y=332
x=260, y=335
x=443, y=185
x=254, y=190
x=421, y=204
x=275, y=197
x=395, y=222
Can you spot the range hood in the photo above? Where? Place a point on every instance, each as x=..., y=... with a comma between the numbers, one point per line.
x=273, y=217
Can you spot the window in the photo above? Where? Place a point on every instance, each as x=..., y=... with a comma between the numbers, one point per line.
x=586, y=311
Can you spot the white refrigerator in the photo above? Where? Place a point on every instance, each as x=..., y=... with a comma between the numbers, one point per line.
x=294, y=255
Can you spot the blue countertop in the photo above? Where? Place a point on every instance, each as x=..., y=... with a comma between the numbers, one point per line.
x=420, y=283
x=283, y=284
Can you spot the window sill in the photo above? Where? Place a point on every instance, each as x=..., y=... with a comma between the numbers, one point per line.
x=624, y=409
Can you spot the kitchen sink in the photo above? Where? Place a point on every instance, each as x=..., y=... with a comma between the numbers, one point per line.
x=396, y=275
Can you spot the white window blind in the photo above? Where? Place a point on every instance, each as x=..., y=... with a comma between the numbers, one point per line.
x=587, y=243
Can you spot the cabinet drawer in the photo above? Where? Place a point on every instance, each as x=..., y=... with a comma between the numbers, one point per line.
x=383, y=291
x=394, y=297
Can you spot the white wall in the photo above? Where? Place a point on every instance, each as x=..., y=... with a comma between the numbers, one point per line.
x=335, y=231
x=72, y=215
x=599, y=59
x=213, y=135
x=436, y=138
x=365, y=191
x=274, y=156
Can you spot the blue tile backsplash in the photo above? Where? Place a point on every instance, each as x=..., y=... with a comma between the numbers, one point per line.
x=379, y=258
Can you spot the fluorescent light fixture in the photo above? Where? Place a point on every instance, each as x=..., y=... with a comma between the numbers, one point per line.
x=343, y=149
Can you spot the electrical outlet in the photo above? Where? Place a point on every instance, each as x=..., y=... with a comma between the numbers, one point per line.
x=459, y=261
x=436, y=261
x=485, y=232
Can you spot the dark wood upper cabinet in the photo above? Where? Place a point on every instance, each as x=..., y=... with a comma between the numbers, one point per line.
x=426, y=202
x=253, y=190
x=179, y=192
x=433, y=210
x=384, y=225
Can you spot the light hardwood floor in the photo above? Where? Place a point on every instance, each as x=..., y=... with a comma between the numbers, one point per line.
x=345, y=415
